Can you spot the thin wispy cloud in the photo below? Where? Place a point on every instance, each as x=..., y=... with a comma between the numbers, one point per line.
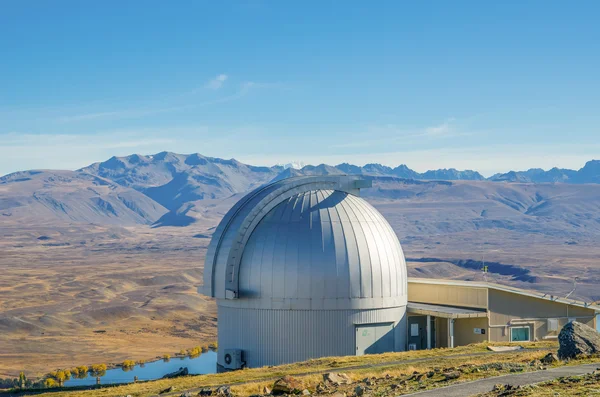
x=393, y=134
x=217, y=82
x=139, y=112
x=443, y=129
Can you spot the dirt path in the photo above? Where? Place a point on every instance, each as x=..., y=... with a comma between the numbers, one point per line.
x=487, y=384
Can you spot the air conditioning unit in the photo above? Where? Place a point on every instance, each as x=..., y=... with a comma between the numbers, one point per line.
x=232, y=359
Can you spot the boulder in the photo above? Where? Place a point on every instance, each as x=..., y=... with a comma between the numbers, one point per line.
x=549, y=358
x=337, y=379
x=207, y=391
x=287, y=385
x=576, y=340
x=224, y=391
x=451, y=375
x=179, y=372
x=266, y=390
x=359, y=390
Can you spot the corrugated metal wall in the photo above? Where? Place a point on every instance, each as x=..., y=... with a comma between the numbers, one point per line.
x=449, y=295
x=272, y=337
x=506, y=306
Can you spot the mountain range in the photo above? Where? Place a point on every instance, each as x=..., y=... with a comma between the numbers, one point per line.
x=175, y=189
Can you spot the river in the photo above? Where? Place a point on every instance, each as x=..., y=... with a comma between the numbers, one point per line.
x=206, y=363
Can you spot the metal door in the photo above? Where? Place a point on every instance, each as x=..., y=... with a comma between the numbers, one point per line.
x=374, y=338
x=417, y=332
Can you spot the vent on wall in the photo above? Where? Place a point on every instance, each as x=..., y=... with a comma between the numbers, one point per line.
x=552, y=324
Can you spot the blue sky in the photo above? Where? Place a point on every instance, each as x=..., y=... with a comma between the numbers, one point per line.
x=490, y=86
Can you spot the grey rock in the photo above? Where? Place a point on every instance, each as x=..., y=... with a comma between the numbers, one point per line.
x=305, y=392
x=359, y=390
x=287, y=385
x=180, y=372
x=337, y=379
x=451, y=375
x=549, y=358
x=576, y=340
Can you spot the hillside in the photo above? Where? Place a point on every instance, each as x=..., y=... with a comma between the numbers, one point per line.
x=41, y=196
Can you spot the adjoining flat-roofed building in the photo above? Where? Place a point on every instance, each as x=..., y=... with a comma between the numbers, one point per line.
x=464, y=312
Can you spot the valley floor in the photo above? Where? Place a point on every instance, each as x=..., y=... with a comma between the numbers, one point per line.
x=85, y=294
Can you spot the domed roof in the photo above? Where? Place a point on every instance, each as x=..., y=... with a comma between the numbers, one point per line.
x=306, y=243
x=321, y=249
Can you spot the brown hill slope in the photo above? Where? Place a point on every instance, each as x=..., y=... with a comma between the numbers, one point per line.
x=41, y=196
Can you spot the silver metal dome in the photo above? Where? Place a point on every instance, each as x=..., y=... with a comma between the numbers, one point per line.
x=323, y=249
x=304, y=268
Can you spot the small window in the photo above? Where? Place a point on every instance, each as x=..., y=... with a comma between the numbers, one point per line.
x=414, y=330
x=552, y=324
x=519, y=334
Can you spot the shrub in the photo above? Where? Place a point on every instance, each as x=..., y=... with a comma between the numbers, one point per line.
x=49, y=382
x=128, y=364
x=195, y=351
x=213, y=346
x=141, y=362
x=98, y=369
x=204, y=349
x=167, y=357
x=81, y=371
x=59, y=376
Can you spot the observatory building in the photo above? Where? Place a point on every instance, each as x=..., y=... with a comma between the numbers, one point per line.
x=304, y=268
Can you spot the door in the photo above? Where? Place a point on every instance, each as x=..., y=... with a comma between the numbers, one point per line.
x=417, y=332
x=374, y=338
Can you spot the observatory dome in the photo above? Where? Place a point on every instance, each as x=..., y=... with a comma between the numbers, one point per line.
x=323, y=249
x=305, y=268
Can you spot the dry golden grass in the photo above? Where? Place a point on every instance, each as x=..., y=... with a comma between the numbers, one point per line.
x=257, y=378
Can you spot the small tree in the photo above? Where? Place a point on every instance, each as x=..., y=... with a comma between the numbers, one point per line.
x=98, y=369
x=82, y=371
x=167, y=357
x=60, y=377
x=49, y=382
x=22, y=380
x=128, y=364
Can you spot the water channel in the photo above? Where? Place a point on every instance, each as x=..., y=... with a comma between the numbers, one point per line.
x=206, y=363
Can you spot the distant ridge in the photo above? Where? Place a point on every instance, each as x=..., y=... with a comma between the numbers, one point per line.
x=175, y=189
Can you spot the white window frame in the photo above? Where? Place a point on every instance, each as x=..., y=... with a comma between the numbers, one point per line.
x=520, y=327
